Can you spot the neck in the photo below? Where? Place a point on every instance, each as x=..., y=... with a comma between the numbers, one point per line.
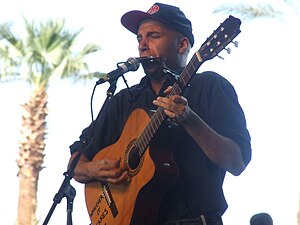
x=157, y=83
x=155, y=72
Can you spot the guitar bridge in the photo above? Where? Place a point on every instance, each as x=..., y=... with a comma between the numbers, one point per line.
x=109, y=199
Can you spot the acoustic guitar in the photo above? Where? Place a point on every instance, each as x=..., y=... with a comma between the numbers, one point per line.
x=151, y=166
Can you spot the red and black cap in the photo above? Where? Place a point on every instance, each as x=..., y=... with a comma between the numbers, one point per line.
x=169, y=15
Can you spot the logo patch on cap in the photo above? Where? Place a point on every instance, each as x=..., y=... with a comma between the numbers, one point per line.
x=153, y=9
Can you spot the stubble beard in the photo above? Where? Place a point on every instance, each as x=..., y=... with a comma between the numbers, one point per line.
x=154, y=70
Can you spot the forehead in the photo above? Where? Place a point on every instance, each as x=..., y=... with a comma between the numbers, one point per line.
x=153, y=25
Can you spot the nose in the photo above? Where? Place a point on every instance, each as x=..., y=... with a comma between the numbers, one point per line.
x=143, y=45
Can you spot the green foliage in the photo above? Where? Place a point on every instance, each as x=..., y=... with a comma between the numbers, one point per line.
x=261, y=10
x=46, y=50
x=250, y=12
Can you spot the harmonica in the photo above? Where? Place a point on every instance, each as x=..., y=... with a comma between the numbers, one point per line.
x=150, y=59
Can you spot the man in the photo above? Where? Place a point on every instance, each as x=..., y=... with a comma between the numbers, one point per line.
x=209, y=124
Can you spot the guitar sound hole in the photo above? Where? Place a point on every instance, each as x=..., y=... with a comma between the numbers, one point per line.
x=134, y=158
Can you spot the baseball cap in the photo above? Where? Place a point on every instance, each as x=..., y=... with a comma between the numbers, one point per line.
x=169, y=15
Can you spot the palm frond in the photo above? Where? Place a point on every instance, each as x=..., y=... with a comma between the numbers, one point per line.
x=46, y=50
x=90, y=48
x=250, y=12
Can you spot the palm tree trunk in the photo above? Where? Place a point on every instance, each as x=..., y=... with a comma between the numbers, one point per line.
x=31, y=155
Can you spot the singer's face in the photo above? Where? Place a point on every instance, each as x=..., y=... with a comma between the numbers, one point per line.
x=157, y=40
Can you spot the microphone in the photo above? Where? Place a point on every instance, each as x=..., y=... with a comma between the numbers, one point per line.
x=132, y=64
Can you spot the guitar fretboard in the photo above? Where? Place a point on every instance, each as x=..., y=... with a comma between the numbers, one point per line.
x=143, y=141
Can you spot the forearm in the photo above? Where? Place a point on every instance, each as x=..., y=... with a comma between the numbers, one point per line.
x=224, y=152
x=80, y=171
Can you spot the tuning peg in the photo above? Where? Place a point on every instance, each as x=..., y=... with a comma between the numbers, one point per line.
x=228, y=50
x=220, y=57
x=235, y=43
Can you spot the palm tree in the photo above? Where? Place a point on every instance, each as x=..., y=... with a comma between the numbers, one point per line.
x=44, y=52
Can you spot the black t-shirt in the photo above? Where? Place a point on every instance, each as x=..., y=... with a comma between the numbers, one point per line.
x=198, y=189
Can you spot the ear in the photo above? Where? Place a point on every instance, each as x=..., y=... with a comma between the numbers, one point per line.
x=183, y=45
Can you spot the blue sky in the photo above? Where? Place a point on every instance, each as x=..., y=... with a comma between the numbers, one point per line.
x=264, y=70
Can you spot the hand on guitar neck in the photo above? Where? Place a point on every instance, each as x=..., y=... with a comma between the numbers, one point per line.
x=175, y=106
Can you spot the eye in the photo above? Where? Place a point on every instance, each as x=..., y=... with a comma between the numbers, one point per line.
x=155, y=35
x=139, y=38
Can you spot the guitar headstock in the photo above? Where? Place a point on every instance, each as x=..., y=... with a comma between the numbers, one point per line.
x=220, y=38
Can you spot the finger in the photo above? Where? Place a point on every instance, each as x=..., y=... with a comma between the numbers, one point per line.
x=170, y=114
x=115, y=177
x=168, y=90
x=162, y=102
x=120, y=179
x=179, y=99
x=174, y=106
x=168, y=107
x=158, y=102
x=107, y=164
x=109, y=173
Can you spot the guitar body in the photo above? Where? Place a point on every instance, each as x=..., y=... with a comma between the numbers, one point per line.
x=135, y=202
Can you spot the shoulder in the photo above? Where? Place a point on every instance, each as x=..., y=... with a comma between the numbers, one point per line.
x=209, y=76
x=209, y=84
x=210, y=79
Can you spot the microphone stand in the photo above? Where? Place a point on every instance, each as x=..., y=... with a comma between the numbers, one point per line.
x=66, y=189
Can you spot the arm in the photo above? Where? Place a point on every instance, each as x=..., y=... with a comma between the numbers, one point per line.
x=222, y=151
x=107, y=170
x=91, y=138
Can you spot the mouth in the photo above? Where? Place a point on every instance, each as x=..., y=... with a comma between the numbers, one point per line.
x=150, y=59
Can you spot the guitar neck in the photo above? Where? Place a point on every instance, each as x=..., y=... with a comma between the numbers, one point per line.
x=159, y=116
x=186, y=75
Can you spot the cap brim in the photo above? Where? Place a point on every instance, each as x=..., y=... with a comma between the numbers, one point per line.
x=132, y=19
